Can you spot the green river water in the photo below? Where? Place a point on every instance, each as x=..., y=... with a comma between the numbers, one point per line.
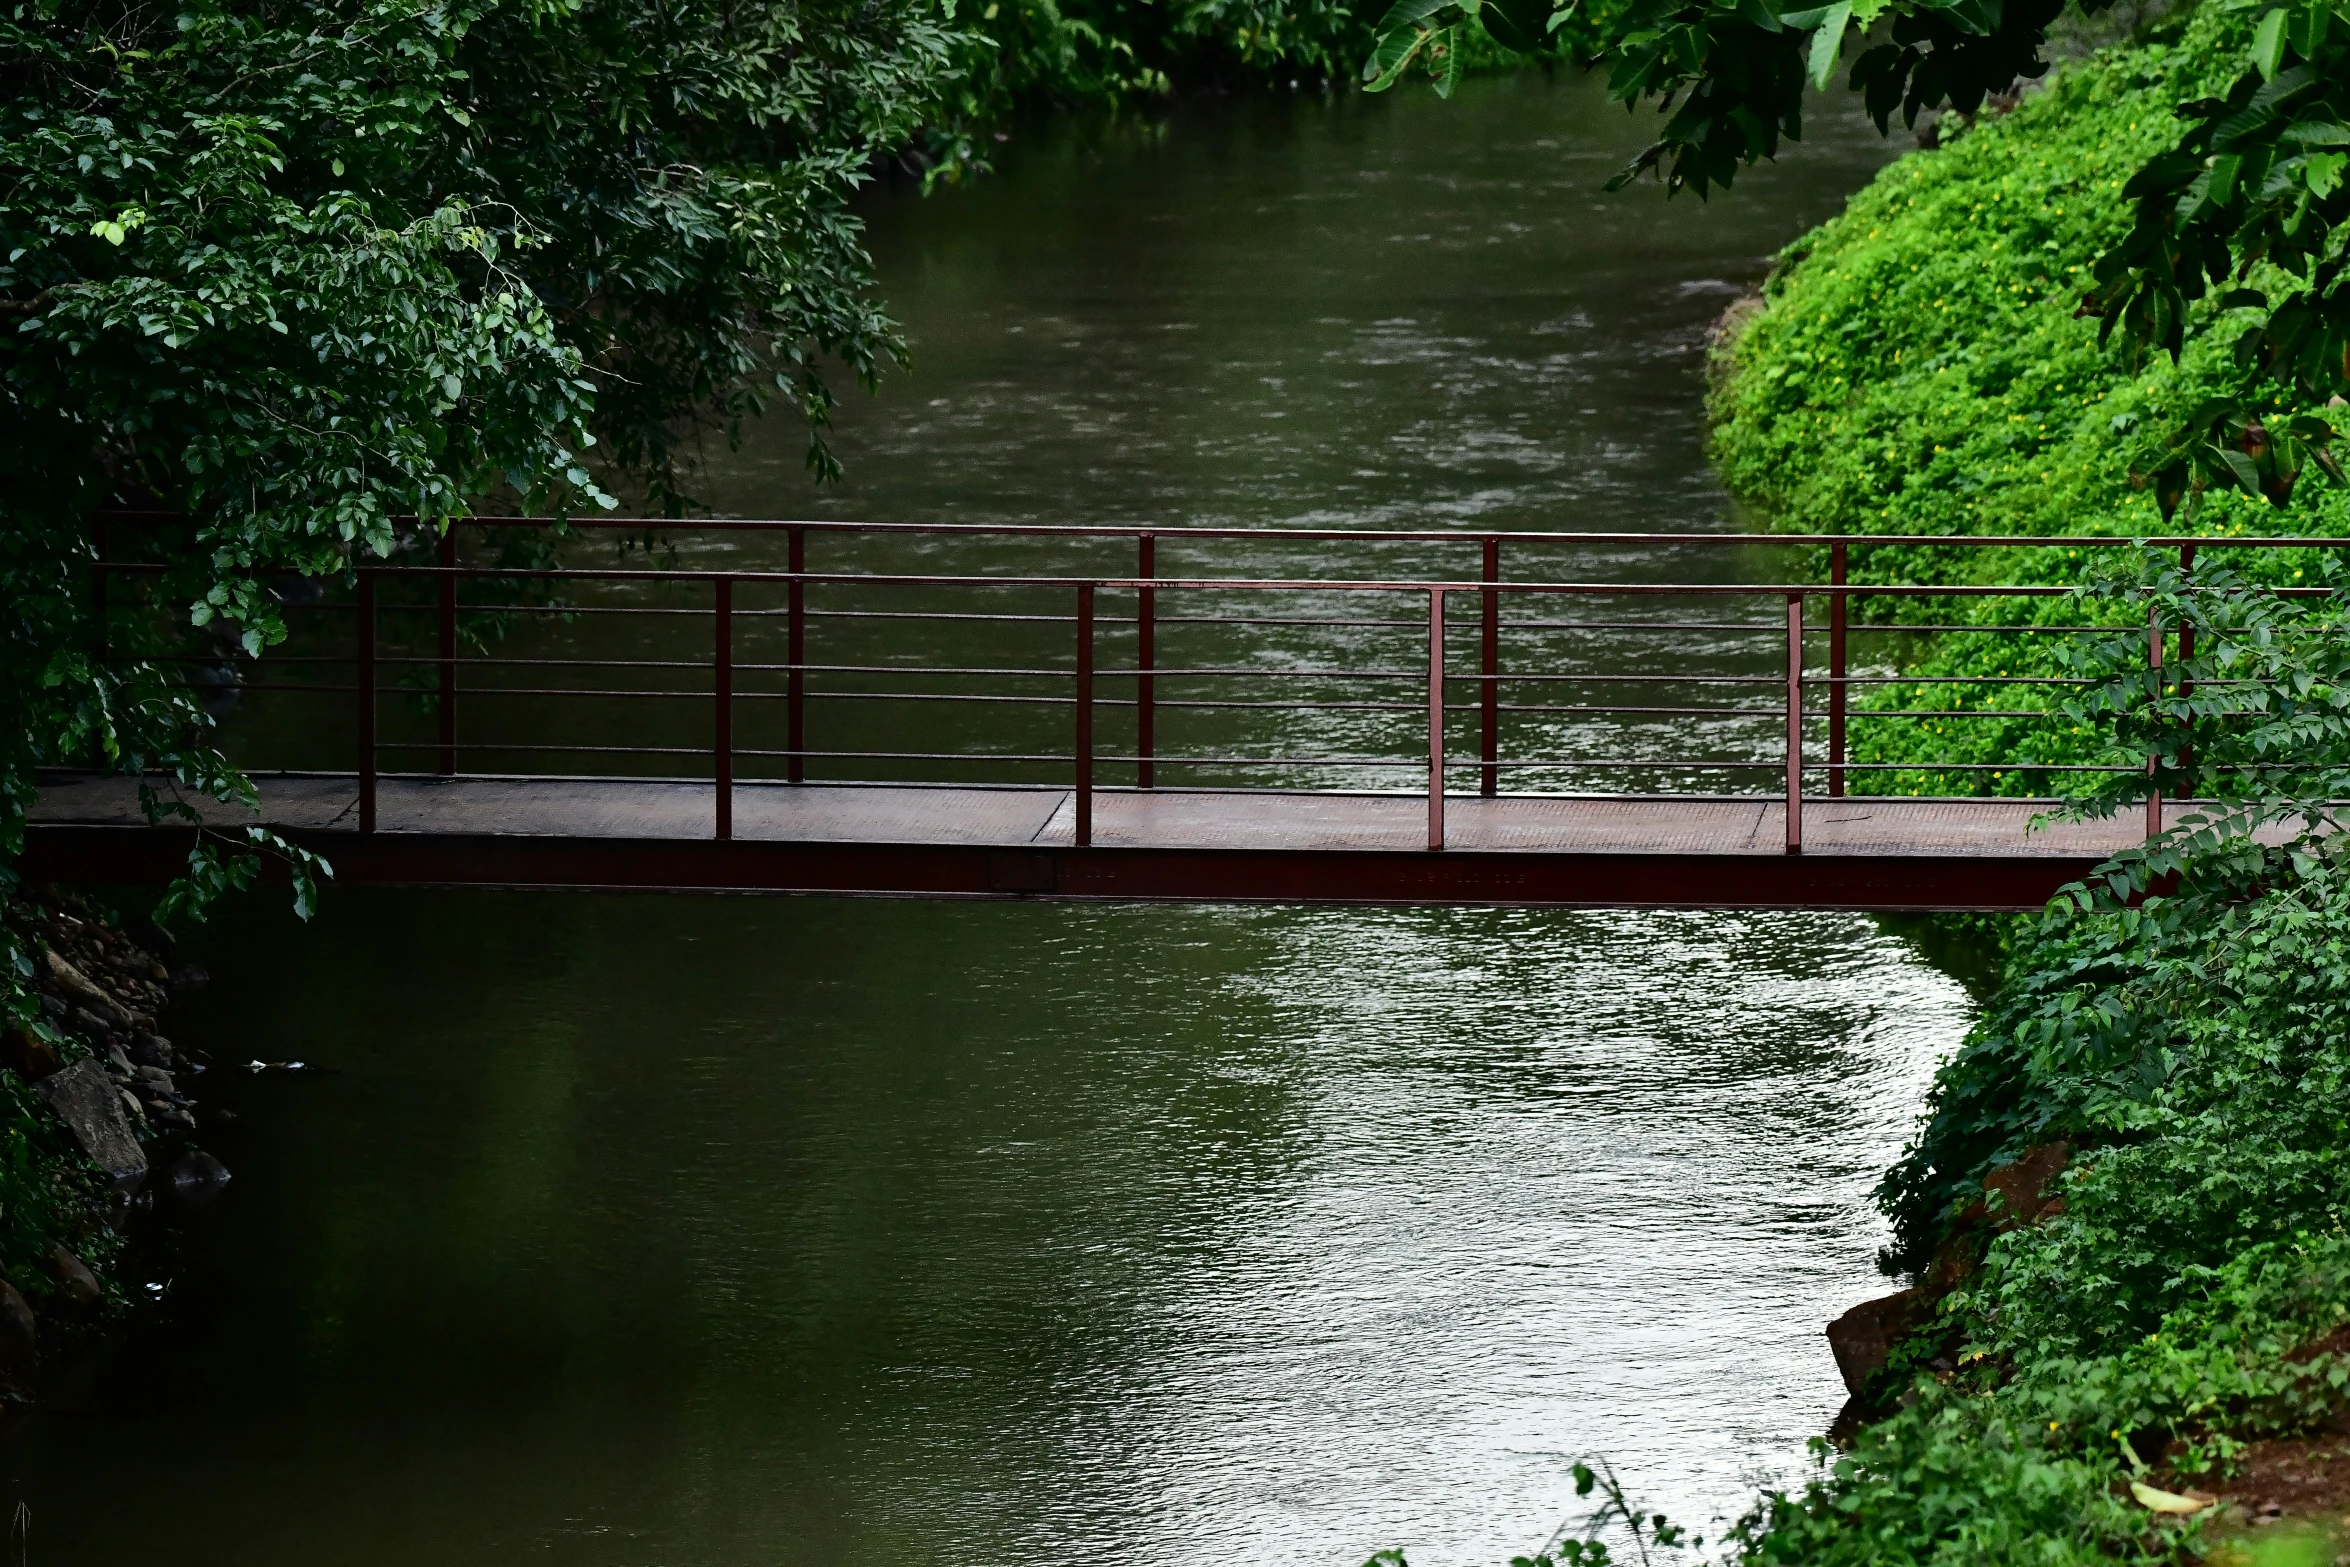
x=673, y=1232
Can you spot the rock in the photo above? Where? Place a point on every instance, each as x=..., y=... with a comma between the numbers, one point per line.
x=1863, y=1338
x=78, y=1288
x=20, y=1347
x=198, y=1179
x=87, y=1102
x=2020, y=1190
x=87, y=991
x=1953, y=1262
x=152, y=1050
x=28, y=1055
x=156, y=1078
x=153, y=937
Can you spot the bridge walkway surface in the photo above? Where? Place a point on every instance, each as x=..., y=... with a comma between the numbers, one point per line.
x=1212, y=845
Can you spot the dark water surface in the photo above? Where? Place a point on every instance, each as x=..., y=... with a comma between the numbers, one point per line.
x=645, y=1232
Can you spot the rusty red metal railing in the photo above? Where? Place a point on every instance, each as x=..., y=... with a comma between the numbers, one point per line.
x=1317, y=655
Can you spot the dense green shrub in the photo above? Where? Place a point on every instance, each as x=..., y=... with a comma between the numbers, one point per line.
x=1916, y=369
x=2036, y=1469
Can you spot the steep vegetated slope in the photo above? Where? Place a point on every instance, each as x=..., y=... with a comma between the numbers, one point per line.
x=2084, y=1360
x=1917, y=368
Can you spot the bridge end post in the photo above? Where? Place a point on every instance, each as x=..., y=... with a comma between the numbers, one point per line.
x=2186, y=657
x=2154, y=664
x=366, y=693
x=1435, y=718
x=448, y=649
x=1794, y=723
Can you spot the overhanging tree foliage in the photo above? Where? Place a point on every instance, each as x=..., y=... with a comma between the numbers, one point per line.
x=298, y=268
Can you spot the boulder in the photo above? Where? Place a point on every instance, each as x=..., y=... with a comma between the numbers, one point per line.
x=20, y=1347
x=2020, y=1190
x=78, y=1288
x=198, y=1179
x=86, y=1100
x=1863, y=1338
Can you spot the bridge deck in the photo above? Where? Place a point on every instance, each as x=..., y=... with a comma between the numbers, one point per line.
x=1185, y=844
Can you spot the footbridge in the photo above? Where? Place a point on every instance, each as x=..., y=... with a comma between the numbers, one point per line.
x=1693, y=720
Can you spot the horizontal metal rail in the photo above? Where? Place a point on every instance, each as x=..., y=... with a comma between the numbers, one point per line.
x=1454, y=536
x=723, y=669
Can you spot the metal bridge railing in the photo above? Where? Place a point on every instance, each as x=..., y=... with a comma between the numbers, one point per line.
x=708, y=641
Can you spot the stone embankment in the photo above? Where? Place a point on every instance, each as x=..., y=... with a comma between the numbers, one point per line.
x=1865, y=1339
x=98, y=1061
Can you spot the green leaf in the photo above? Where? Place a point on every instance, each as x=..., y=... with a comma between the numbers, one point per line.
x=1828, y=42
x=1447, y=50
x=1522, y=25
x=1405, y=12
x=2241, y=468
x=1389, y=58
x=2268, y=44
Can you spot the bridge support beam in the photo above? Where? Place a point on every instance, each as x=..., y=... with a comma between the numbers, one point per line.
x=1544, y=879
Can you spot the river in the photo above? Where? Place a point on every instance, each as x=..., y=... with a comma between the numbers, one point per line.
x=670, y=1232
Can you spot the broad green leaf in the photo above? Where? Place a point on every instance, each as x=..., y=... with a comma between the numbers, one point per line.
x=1522, y=25
x=1447, y=49
x=1828, y=41
x=2268, y=43
x=1405, y=12
x=1393, y=53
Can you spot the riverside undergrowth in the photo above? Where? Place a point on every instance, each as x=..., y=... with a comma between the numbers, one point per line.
x=2181, y=1023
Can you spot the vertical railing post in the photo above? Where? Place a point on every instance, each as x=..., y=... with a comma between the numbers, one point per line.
x=1084, y=714
x=1489, y=676
x=1794, y=723
x=722, y=683
x=1435, y=718
x=1837, y=576
x=2154, y=663
x=2186, y=655
x=448, y=650
x=366, y=684
x=795, y=649
x=1146, y=648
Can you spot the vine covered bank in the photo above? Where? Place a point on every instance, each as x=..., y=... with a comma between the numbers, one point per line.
x=2121, y=1222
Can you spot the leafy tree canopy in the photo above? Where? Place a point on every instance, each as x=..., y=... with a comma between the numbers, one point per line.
x=295, y=268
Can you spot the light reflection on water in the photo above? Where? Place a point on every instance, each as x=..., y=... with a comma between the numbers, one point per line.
x=710, y=1232
x=718, y=1231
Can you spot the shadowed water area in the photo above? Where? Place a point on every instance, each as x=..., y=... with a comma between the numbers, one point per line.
x=633, y=1230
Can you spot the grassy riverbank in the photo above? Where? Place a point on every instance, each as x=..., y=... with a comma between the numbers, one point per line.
x=2170, y=1310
